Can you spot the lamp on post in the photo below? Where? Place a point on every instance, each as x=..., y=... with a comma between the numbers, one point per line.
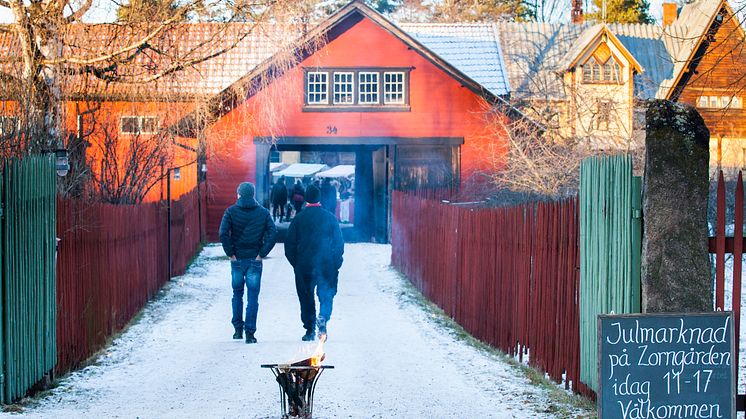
x=62, y=161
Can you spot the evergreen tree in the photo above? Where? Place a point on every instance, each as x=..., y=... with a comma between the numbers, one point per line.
x=481, y=11
x=622, y=11
x=141, y=11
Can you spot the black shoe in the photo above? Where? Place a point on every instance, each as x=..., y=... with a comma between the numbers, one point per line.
x=309, y=336
x=250, y=338
x=238, y=334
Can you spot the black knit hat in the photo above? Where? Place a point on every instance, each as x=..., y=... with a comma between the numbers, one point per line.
x=312, y=194
x=246, y=190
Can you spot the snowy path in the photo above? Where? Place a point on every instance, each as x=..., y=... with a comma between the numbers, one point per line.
x=179, y=360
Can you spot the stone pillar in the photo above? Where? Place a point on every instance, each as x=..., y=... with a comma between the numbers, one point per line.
x=675, y=259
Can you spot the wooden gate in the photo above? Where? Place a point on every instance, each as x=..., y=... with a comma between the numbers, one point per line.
x=28, y=337
x=610, y=249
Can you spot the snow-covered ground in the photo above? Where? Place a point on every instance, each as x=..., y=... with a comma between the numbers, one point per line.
x=392, y=359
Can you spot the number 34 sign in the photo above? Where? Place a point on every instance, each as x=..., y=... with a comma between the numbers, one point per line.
x=654, y=366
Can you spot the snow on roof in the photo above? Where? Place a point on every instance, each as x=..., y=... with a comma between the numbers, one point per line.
x=472, y=48
x=344, y=170
x=301, y=170
x=534, y=52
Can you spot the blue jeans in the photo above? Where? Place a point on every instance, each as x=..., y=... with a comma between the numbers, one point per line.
x=325, y=284
x=248, y=273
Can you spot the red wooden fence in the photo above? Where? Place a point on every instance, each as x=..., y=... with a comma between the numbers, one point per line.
x=509, y=276
x=111, y=261
x=721, y=244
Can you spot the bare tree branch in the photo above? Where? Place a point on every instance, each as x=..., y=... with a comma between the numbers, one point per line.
x=76, y=15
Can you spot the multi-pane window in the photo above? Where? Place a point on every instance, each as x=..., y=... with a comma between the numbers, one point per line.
x=149, y=125
x=719, y=102
x=318, y=88
x=368, y=87
x=609, y=72
x=344, y=88
x=139, y=124
x=177, y=173
x=384, y=89
x=393, y=88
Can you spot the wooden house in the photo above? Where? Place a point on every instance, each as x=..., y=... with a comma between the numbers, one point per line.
x=414, y=104
x=590, y=82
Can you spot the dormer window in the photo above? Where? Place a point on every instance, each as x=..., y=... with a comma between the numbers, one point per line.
x=609, y=72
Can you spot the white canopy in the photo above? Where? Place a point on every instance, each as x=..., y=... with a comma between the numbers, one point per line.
x=301, y=170
x=345, y=170
x=277, y=166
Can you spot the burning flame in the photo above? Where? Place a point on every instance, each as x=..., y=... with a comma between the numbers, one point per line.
x=318, y=354
x=309, y=354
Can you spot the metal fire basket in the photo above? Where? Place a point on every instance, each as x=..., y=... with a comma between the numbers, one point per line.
x=297, y=384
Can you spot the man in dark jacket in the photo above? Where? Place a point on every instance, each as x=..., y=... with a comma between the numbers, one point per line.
x=314, y=247
x=247, y=233
x=279, y=198
x=297, y=196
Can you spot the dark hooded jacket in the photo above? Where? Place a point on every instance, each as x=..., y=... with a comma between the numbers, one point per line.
x=247, y=230
x=314, y=241
x=279, y=194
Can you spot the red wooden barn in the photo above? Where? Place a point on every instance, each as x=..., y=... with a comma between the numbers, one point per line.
x=410, y=106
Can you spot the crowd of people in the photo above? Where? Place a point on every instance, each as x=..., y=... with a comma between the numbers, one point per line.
x=287, y=200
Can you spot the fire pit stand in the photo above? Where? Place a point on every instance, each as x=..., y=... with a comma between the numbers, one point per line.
x=297, y=384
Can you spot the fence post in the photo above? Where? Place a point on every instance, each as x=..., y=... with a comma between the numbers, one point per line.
x=168, y=217
x=675, y=261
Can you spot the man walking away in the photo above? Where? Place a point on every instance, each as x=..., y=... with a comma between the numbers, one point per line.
x=314, y=247
x=247, y=233
x=329, y=196
x=279, y=198
x=298, y=197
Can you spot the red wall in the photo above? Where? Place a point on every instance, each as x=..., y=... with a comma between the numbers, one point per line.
x=440, y=107
x=107, y=115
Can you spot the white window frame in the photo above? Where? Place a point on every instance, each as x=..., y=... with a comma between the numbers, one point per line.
x=719, y=102
x=121, y=125
x=351, y=84
x=587, y=72
x=362, y=93
x=401, y=86
x=177, y=173
x=13, y=121
x=139, y=123
x=156, y=125
x=323, y=94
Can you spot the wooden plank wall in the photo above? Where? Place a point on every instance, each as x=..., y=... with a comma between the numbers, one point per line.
x=111, y=261
x=509, y=276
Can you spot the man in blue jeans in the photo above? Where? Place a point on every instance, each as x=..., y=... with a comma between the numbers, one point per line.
x=247, y=233
x=314, y=246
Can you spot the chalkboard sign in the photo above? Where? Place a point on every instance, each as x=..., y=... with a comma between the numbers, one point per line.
x=656, y=366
